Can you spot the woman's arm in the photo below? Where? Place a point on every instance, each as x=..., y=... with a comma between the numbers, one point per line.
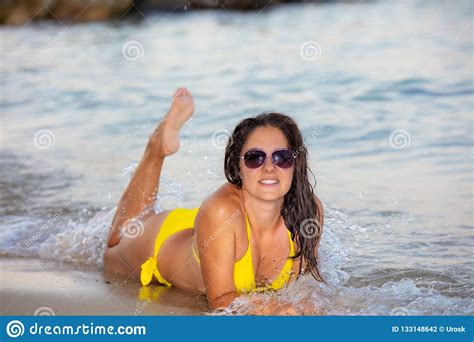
x=216, y=224
x=274, y=306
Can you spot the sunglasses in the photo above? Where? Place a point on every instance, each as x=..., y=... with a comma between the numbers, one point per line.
x=282, y=158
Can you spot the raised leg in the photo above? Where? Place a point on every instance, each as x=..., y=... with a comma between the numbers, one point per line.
x=142, y=189
x=128, y=242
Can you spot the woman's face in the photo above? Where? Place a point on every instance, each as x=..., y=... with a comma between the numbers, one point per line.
x=268, y=182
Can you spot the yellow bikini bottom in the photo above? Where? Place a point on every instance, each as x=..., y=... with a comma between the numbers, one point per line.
x=176, y=221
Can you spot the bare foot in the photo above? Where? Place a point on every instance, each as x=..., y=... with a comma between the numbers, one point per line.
x=165, y=139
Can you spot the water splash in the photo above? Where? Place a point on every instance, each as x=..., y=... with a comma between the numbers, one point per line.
x=68, y=235
x=341, y=296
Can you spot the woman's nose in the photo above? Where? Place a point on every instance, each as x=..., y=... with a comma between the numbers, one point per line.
x=268, y=166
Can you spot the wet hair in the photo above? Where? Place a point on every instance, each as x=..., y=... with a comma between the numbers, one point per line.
x=299, y=210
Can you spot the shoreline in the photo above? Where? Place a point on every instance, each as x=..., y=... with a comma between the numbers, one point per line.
x=44, y=287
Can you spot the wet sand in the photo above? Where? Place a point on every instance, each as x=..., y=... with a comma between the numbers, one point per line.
x=29, y=286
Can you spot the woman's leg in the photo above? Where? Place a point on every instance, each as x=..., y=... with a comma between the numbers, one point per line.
x=140, y=195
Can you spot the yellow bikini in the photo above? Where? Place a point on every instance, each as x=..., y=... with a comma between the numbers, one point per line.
x=244, y=276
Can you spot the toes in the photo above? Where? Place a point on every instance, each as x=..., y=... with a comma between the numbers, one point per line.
x=178, y=92
x=181, y=91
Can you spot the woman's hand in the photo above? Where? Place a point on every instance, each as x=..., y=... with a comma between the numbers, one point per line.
x=273, y=307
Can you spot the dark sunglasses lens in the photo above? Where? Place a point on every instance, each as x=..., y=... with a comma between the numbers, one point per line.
x=254, y=159
x=283, y=158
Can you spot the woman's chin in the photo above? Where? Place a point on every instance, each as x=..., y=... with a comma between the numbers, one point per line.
x=268, y=195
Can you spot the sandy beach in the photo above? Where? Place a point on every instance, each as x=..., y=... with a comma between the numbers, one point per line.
x=52, y=288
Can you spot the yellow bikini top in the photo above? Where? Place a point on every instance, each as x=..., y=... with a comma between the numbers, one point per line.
x=244, y=276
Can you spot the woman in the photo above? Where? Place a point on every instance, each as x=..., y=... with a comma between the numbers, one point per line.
x=256, y=232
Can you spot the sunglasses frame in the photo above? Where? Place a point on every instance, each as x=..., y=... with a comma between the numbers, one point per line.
x=266, y=156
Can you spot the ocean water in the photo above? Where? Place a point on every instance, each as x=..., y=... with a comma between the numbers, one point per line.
x=383, y=92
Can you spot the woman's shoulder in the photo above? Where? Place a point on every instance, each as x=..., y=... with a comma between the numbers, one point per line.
x=222, y=203
x=221, y=214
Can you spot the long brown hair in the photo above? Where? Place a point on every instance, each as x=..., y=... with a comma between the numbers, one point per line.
x=300, y=212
